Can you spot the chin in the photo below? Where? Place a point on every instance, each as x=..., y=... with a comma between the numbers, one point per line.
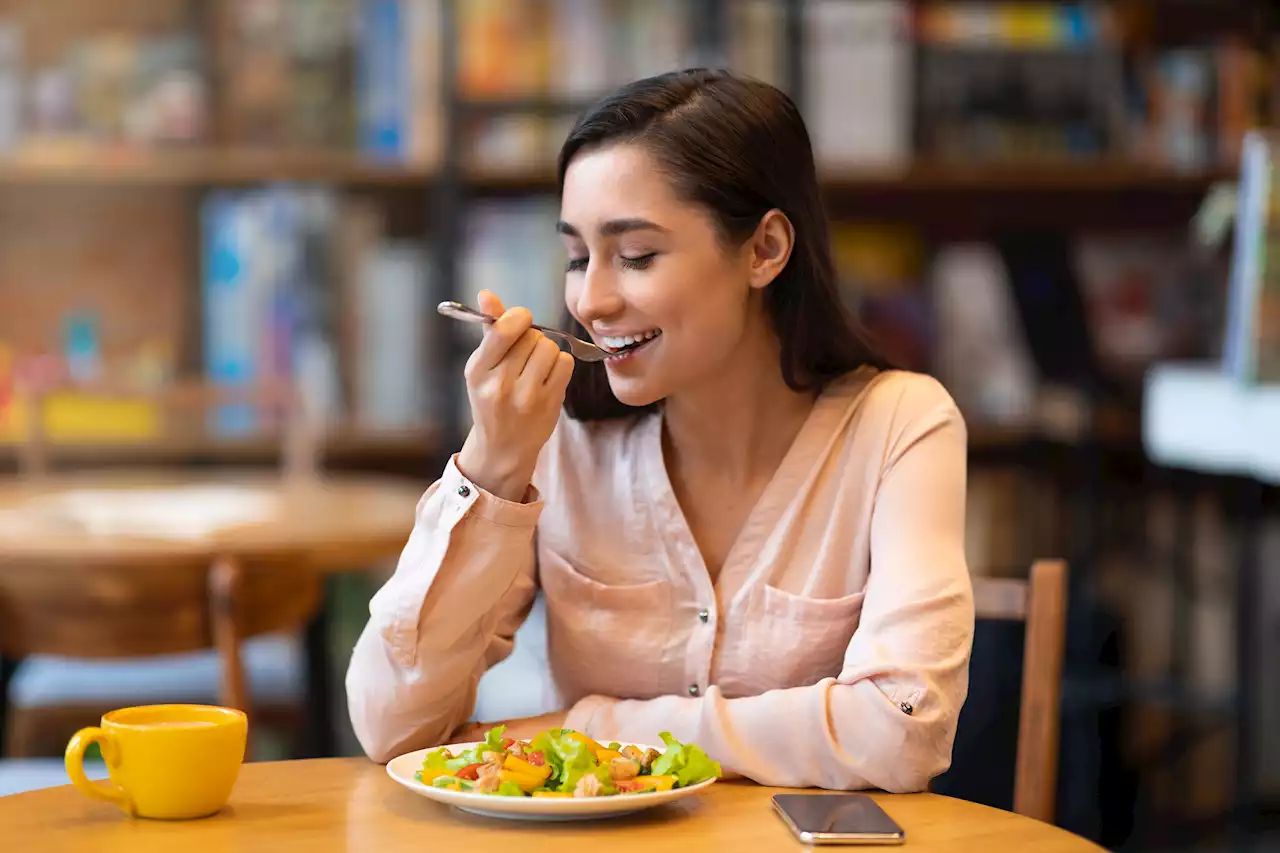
x=635, y=392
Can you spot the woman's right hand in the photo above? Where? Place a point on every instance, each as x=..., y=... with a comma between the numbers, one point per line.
x=516, y=381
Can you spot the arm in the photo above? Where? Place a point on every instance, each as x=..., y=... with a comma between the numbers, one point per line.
x=463, y=585
x=912, y=646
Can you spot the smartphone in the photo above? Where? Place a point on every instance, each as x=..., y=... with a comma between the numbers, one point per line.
x=837, y=819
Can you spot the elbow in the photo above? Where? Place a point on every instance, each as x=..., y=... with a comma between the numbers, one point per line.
x=907, y=764
x=386, y=718
x=383, y=734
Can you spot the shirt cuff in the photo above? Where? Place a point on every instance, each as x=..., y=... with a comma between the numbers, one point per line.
x=469, y=499
x=583, y=714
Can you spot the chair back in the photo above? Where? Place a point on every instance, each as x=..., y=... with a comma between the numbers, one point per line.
x=163, y=605
x=1040, y=602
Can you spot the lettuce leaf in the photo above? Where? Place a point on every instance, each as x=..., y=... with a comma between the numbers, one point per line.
x=493, y=740
x=436, y=763
x=510, y=789
x=577, y=760
x=687, y=762
x=545, y=743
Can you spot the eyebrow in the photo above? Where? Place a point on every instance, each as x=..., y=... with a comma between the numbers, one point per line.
x=613, y=227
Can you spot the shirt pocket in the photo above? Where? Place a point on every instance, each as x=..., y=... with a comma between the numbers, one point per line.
x=804, y=639
x=604, y=638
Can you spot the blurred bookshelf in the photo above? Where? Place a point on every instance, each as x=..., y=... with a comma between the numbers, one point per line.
x=417, y=138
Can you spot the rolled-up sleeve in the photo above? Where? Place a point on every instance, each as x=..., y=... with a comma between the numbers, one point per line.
x=464, y=583
x=888, y=720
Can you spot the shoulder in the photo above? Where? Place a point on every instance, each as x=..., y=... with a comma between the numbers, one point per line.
x=897, y=408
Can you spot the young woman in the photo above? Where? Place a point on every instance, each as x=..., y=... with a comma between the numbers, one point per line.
x=747, y=531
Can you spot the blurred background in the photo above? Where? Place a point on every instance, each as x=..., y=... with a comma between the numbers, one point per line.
x=1033, y=201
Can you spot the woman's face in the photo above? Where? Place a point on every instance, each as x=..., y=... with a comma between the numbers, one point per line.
x=648, y=277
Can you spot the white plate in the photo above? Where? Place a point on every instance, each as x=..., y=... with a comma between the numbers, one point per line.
x=403, y=768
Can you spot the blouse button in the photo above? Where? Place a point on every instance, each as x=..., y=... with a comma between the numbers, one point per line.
x=693, y=690
x=704, y=615
x=907, y=708
x=464, y=491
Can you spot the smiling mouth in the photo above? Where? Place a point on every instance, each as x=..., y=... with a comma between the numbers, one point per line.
x=617, y=347
x=620, y=349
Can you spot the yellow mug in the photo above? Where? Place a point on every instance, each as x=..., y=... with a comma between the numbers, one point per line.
x=165, y=761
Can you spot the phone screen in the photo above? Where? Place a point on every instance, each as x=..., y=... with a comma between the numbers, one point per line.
x=837, y=818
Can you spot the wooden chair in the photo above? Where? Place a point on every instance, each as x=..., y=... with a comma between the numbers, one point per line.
x=165, y=606
x=1040, y=602
x=114, y=624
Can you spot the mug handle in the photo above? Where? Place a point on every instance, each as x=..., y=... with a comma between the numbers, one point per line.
x=108, y=791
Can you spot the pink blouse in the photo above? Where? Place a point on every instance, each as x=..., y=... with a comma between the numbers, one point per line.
x=832, y=651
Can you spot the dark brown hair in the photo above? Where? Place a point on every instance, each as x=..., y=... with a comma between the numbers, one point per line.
x=739, y=148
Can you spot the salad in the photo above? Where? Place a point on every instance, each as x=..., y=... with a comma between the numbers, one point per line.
x=565, y=763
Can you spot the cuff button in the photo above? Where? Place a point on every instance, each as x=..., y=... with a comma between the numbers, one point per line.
x=907, y=708
x=464, y=491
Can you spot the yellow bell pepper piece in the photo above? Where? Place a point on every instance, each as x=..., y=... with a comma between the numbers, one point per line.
x=604, y=756
x=657, y=783
x=581, y=738
x=526, y=783
x=427, y=778
x=524, y=768
x=557, y=794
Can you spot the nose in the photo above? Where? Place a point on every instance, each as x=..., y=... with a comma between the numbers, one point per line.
x=597, y=295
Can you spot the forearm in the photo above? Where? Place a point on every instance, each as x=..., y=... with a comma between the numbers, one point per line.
x=463, y=584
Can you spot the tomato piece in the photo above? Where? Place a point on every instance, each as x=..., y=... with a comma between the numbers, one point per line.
x=537, y=759
x=507, y=742
x=471, y=771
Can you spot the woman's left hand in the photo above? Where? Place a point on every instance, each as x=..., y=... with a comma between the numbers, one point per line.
x=525, y=728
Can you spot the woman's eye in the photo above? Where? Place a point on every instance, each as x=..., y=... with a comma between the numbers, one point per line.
x=640, y=263
x=576, y=264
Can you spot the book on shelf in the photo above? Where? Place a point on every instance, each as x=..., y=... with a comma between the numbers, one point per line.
x=1251, y=346
x=858, y=73
x=398, y=81
x=303, y=286
x=1018, y=82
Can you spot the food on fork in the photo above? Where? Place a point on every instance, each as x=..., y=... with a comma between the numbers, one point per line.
x=565, y=763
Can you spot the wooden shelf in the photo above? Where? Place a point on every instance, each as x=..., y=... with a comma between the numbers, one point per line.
x=342, y=444
x=81, y=165
x=1067, y=178
x=1105, y=176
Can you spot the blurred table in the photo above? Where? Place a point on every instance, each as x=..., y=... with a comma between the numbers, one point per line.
x=330, y=523
x=351, y=804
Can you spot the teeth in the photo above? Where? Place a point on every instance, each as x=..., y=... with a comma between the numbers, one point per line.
x=617, y=343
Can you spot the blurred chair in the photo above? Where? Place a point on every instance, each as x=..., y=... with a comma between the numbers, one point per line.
x=1040, y=602
x=171, y=630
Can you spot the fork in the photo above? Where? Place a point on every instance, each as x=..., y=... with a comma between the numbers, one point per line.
x=580, y=349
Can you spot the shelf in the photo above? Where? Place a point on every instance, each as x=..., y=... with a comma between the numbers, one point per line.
x=1068, y=178
x=1105, y=176
x=80, y=165
x=341, y=444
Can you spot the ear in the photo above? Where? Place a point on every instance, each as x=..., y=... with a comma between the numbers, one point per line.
x=769, y=248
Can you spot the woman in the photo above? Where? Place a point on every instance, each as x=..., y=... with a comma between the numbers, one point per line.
x=747, y=532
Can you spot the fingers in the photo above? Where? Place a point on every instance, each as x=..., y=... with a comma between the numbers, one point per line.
x=490, y=303
x=499, y=338
x=541, y=361
x=561, y=373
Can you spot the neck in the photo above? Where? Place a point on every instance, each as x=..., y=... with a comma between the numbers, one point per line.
x=741, y=423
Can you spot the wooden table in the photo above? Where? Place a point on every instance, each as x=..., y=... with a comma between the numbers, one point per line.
x=351, y=804
x=329, y=523
x=332, y=522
